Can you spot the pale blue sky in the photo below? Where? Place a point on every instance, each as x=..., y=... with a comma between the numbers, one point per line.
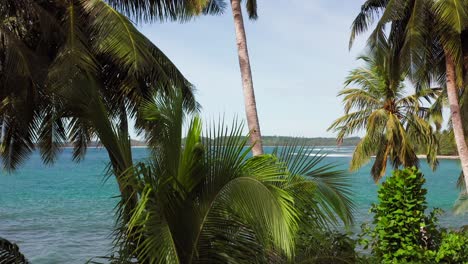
x=299, y=56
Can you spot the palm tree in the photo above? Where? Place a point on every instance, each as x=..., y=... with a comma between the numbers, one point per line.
x=184, y=10
x=206, y=201
x=395, y=124
x=75, y=71
x=429, y=34
x=246, y=72
x=96, y=43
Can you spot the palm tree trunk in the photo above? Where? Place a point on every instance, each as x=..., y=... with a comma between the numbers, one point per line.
x=457, y=124
x=247, y=84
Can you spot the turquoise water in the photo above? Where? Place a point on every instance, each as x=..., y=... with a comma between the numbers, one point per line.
x=64, y=213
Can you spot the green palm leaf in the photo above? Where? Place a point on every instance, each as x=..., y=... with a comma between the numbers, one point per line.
x=209, y=201
x=10, y=253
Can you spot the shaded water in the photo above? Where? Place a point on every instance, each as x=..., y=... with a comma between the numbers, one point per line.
x=64, y=213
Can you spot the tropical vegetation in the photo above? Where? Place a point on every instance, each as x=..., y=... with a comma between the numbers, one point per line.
x=396, y=124
x=429, y=38
x=77, y=71
x=401, y=230
x=99, y=72
x=73, y=71
x=319, y=247
x=208, y=201
x=315, y=141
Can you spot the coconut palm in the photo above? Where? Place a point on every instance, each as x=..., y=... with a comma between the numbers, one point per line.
x=184, y=10
x=246, y=72
x=395, y=124
x=95, y=42
x=431, y=37
x=206, y=200
x=75, y=71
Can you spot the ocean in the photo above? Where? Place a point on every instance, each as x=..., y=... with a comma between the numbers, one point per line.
x=64, y=213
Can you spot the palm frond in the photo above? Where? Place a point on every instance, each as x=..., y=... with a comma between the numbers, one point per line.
x=52, y=134
x=369, y=11
x=379, y=168
x=215, y=7
x=251, y=6
x=329, y=187
x=19, y=137
x=162, y=10
x=140, y=68
x=453, y=13
x=80, y=134
x=461, y=205
x=10, y=253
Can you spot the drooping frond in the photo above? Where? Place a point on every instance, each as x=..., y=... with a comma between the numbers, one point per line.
x=10, y=253
x=369, y=12
x=452, y=13
x=251, y=6
x=18, y=126
x=80, y=134
x=52, y=134
x=161, y=10
x=215, y=7
x=452, y=18
x=330, y=189
x=141, y=69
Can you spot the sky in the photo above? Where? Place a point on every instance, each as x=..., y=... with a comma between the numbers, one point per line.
x=299, y=56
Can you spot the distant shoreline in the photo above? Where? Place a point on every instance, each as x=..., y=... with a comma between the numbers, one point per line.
x=442, y=157
x=447, y=157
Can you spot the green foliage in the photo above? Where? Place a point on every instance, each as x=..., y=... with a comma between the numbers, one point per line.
x=318, y=141
x=402, y=232
x=60, y=57
x=313, y=142
x=453, y=248
x=395, y=123
x=10, y=253
x=401, y=228
x=427, y=36
x=318, y=247
x=73, y=71
x=162, y=10
x=207, y=201
x=447, y=144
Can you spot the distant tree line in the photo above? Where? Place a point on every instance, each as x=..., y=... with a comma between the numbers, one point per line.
x=316, y=141
x=445, y=139
x=446, y=142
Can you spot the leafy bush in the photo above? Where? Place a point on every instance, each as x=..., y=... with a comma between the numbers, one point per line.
x=403, y=233
x=453, y=248
x=325, y=247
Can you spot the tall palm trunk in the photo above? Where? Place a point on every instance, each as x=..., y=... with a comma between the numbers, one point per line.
x=457, y=124
x=247, y=84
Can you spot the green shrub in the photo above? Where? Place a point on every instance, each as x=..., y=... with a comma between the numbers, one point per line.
x=453, y=248
x=320, y=247
x=402, y=232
